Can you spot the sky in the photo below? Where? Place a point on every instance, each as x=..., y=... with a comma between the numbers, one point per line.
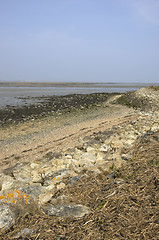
x=79, y=40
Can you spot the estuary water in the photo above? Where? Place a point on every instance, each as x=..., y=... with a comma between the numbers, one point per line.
x=17, y=94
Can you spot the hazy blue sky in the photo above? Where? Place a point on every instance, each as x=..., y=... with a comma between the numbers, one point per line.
x=79, y=40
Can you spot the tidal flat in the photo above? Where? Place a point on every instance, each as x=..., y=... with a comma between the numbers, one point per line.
x=27, y=93
x=51, y=106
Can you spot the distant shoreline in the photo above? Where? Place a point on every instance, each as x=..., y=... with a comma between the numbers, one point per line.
x=75, y=84
x=16, y=94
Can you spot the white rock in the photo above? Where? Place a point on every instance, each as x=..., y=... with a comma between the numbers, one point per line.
x=45, y=197
x=67, y=156
x=101, y=156
x=105, y=148
x=49, y=188
x=23, y=176
x=34, y=165
x=117, y=144
x=129, y=142
x=88, y=166
x=58, y=162
x=60, y=186
x=7, y=183
x=88, y=157
x=36, y=176
x=91, y=150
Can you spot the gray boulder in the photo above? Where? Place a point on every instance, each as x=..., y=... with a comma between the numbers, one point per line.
x=66, y=210
x=7, y=216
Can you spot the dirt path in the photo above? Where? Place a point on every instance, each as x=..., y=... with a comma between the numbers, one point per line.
x=32, y=140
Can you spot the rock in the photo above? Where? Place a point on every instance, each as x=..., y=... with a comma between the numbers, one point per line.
x=101, y=161
x=33, y=190
x=74, y=179
x=101, y=156
x=71, y=173
x=128, y=143
x=72, y=167
x=9, y=171
x=88, y=166
x=103, y=166
x=52, y=182
x=62, y=199
x=34, y=165
x=14, y=204
x=92, y=143
x=104, y=148
x=8, y=216
x=58, y=162
x=55, y=177
x=67, y=162
x=51, y=155
x=88, y=158
x=109, y=157
x=26, y=232
x=126, y=157
x=117, y=160
x=36, y=176
x=111, y=175
x=96, y=171
x=60, y=186
x=77, y=154
x=66, y=210
x=91, y=150
x=45, y=197
x=7, y=182
x=67, y=156
x=15, y=197
x=117, y=144
x=22, y=176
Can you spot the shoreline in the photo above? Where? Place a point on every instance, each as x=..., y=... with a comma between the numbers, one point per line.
x=51, y=106
x=26, y=94
x=73, y=84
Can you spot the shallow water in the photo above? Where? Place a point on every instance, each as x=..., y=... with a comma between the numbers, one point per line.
x=22, y=94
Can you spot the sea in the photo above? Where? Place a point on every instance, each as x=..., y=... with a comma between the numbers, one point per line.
x=26, y=93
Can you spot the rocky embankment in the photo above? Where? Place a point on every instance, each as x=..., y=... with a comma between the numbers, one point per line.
x=36, y=186
x=146, y=99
